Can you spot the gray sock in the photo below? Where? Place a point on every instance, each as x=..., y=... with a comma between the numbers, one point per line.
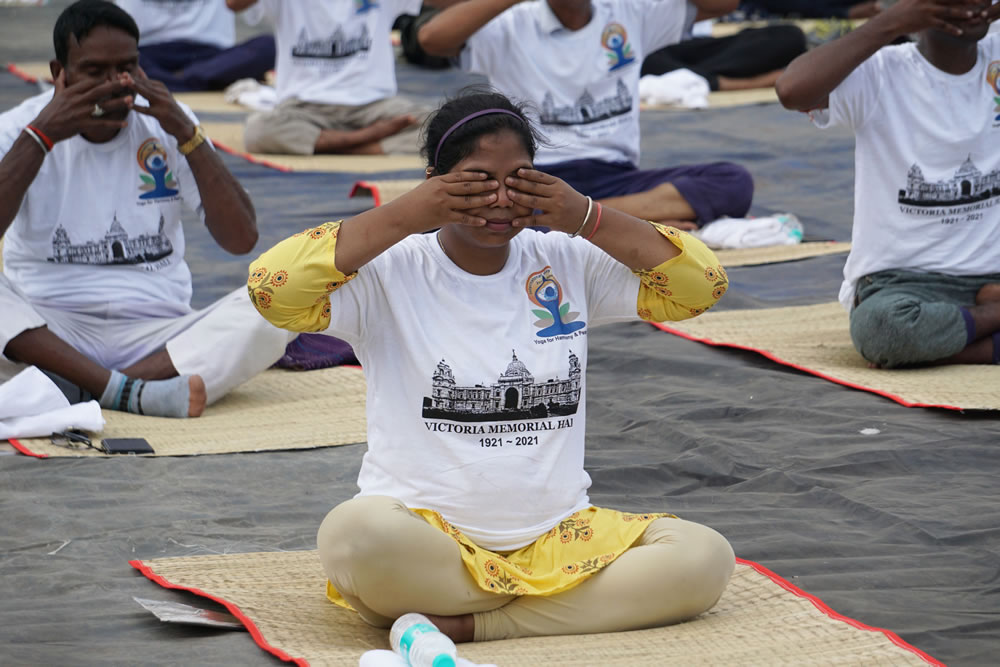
x=156, y=398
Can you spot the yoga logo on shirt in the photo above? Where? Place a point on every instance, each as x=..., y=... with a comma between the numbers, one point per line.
x=615, y=40
x=363, y=6
x=992, y=76
x=555, y=318
x=158, y=181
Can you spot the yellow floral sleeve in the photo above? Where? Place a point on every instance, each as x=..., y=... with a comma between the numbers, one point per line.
x=683, y=286
x=290, y=284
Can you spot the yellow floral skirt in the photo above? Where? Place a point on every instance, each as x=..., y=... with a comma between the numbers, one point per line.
x=581, y=545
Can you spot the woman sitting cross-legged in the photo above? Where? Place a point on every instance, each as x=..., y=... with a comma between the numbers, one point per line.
x=473, y=506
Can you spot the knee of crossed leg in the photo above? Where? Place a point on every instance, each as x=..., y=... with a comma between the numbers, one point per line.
x=356, y=531
x=709, y=564
x=887, y=332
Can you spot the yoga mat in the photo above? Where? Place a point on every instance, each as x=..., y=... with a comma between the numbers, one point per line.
x=383, y=192
x=725, y=29
x=816, y=339
x=229, y=137
x=726, y=98
x=278, y=409
x=779, y=253
x=761, y=619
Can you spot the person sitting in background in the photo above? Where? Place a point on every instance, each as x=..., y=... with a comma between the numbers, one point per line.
x=336, y=79
x=922, y=281
x=752, y=58
x=473, y=502
x=192, y=45
x=578, y=64
x=842, y=9
x=94, y=177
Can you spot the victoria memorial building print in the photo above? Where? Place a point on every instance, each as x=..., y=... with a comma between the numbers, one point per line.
x=515, y=395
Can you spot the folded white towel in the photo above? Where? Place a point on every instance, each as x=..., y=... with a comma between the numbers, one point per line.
x=252, y=94
x=679, y=88
x=32, y=406
x=780, y=229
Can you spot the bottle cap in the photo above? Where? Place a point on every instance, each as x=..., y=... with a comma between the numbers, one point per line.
x=443, y=660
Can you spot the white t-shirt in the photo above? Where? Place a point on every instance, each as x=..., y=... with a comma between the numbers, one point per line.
x=335, y=51
x=927, y=164
x=583, y=84
x=203, y=21
x=100, y=226
x=476, y=387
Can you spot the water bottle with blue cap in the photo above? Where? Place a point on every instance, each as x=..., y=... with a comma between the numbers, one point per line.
x=420, y=643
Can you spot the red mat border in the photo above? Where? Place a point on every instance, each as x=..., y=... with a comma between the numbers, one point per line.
x=788, y=586
x=773, y=357
x=361, y=186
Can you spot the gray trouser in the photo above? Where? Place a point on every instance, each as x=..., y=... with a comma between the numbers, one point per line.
x=386, y=560
x=293, y=127
x=903, y=318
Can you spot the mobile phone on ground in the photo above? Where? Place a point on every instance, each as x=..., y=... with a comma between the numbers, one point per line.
x=126, y=446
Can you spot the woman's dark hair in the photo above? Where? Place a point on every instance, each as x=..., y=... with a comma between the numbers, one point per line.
x=81, y=17
x=464, y=139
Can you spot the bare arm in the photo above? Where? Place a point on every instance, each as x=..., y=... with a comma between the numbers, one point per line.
x=633, y=242
x=239, y=5
x=436, y=202
x=17, y=172
x=229, y=213
x=446, y=33
x=808, y=81
x=65, y=116
x=709, y=9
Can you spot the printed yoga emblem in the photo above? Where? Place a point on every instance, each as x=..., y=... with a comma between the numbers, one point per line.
x=158, y=180
x=545, y=291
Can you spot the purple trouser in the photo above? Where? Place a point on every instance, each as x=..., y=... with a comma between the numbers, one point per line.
x=713, y=190
x=184, y=66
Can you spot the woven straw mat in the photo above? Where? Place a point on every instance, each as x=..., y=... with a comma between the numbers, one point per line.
x=757, y=622
x=278, y=409
x=817, y=339
x=230, y=135
x=779, y=253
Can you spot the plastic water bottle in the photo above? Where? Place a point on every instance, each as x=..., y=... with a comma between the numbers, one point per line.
x=420, y=643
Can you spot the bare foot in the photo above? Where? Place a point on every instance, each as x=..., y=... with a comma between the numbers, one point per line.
x=988, y=294
x=459, y=629
x=364, y=140
x=197, y=397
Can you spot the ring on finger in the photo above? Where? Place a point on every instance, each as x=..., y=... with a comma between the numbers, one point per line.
x=97, y=112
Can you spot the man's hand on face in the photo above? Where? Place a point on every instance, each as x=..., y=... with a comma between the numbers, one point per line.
x=83, y=107
x=162, y=105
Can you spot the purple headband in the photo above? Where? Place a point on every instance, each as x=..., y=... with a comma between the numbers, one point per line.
x=465, y=120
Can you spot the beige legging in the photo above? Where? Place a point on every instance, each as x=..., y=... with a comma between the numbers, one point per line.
x=386, y=561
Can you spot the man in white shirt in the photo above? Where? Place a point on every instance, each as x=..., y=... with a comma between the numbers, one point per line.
x=922, y=281
x=578, y=62
x=191, y=44
x=336, y=79
x=94, y=177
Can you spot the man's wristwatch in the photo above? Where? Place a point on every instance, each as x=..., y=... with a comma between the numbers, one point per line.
x=191, y=144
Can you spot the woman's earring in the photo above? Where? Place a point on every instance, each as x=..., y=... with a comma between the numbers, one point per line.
x=429, y=171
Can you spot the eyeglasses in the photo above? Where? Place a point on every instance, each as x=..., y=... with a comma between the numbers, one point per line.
x=72, y=439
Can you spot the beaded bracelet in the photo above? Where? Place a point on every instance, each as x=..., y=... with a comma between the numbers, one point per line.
x=596, y=224
x=590, y=204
